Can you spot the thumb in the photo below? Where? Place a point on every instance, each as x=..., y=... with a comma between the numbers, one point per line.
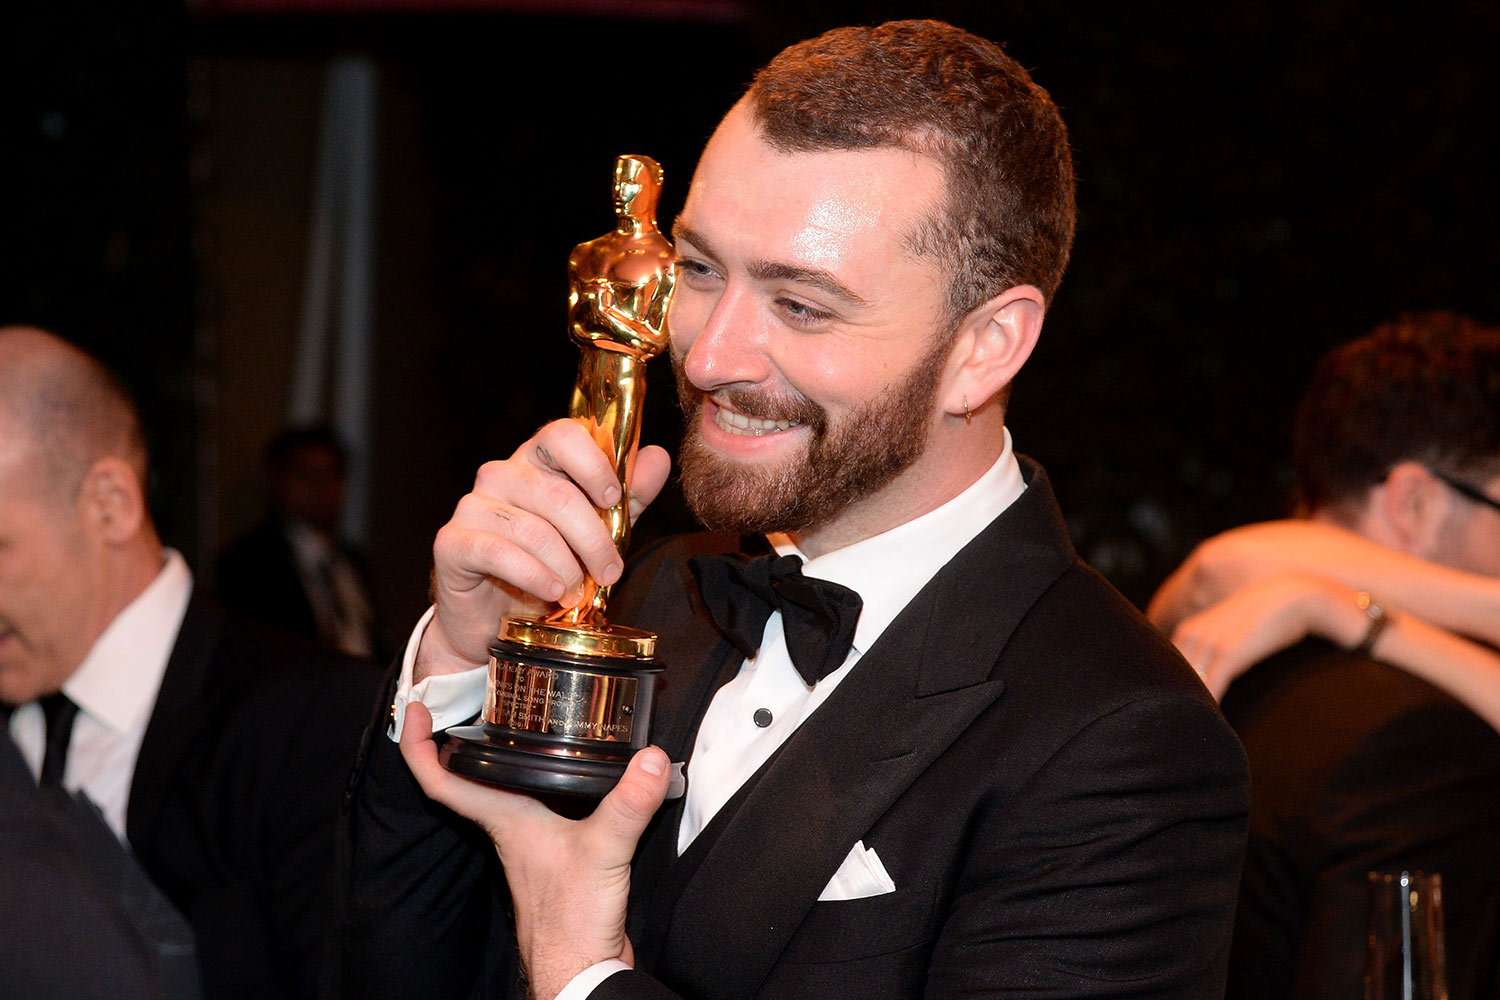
x=420, y=752
x=489, y=807
x=652, y=467
x=622, y=816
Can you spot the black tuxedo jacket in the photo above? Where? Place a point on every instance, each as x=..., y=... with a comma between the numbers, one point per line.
x=1359, y=767
x=1058, y=801
x=236, y=793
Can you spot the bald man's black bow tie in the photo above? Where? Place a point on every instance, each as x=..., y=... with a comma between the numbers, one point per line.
x=818, y=616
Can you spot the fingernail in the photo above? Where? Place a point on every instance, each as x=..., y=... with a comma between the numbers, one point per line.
x=611, y=496
x=651, y=763
x=613, y=571
x=555, y=590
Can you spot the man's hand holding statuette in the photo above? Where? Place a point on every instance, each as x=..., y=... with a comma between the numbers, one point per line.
x=523, y=539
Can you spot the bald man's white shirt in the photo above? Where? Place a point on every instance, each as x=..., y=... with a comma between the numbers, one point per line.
x=115, y=689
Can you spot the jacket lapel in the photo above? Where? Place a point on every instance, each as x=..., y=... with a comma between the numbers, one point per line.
x=179, y=715
x=921, y=685
x=697, y=661
x=693, y=653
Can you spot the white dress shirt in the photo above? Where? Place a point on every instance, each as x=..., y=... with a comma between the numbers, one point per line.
x=887, y=570
x=115, y=689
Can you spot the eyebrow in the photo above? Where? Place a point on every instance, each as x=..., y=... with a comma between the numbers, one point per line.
x=775, y=270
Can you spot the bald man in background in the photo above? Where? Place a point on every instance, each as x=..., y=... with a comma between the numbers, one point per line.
x=215, y=752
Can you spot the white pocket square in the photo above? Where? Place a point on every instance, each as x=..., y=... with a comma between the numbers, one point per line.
x=860, y=875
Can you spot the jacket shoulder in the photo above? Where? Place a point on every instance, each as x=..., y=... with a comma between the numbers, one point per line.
x=645, y=569
x=1109, y=647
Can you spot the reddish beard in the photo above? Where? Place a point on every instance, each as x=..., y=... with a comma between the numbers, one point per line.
x=843, y=461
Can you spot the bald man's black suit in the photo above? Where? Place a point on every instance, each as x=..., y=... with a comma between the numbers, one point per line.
x=236, y=792
x=234, y=800
x=1055, y=796
x=68, y=887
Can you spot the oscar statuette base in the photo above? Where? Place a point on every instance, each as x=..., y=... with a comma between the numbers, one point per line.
x=566, y=707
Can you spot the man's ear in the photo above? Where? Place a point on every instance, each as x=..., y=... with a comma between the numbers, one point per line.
x=112, y=500
x=993, y=342
x=1415, y=505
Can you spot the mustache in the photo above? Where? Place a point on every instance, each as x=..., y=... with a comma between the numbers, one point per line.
x=768, y=405
x=761, y=403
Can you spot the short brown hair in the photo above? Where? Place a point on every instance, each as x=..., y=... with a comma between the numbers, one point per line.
x=935, y=89
x=1422, y=388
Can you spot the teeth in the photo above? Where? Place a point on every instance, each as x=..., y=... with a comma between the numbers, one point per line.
x=738, y=423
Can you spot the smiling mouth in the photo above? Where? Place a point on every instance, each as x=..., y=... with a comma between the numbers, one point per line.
x=738, y=423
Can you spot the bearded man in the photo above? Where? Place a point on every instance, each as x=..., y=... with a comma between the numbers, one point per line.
x=1007, y=783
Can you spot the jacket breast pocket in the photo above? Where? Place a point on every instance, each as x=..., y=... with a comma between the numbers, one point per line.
x=847, y=929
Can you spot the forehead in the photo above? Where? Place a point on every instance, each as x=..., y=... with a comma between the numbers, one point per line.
x=816, y=209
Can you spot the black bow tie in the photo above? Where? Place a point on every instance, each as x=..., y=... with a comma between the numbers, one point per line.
x=818, y=616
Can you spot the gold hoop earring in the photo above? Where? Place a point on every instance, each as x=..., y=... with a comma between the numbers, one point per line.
x=968, y=417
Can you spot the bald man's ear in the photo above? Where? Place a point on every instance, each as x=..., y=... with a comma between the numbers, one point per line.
x=113, y=501
x=992, y=344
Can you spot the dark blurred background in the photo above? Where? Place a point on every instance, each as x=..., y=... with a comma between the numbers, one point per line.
x=1258, y=181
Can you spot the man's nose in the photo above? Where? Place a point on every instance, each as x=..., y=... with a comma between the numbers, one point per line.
x=730, y=348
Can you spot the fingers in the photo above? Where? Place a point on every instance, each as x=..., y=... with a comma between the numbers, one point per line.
x=516, y=547
x=1201, y=652
x=526, y=537
x=532, y=523
x=566, y=449
x=652, y=467
x=1184, y=593
x=1165, y=608
x=550, y=494
x=613, y=828
x=490, y=807
x=1220, y=670
x=419, y=752
x=1220, y=678
x=1219, y=646
x=621, y=818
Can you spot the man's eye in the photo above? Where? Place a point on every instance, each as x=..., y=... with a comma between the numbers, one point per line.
x=799, y=313
x=694, y=270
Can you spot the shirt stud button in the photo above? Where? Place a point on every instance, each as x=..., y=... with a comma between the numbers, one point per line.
x=762, y=717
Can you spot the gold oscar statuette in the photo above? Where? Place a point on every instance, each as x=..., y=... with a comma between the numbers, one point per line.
x=569, y=697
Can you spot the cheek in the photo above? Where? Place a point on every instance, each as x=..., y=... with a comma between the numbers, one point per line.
x=13, y=582
x=40, y=584
x=20, y=597
x=1491, y=556
x=836, y=374
x=1478, y=548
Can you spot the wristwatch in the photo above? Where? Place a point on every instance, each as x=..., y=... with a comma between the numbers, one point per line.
x=1379, y=619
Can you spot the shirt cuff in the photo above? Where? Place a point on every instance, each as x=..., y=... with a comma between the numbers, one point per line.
x=581, y=985
x=453, y=699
